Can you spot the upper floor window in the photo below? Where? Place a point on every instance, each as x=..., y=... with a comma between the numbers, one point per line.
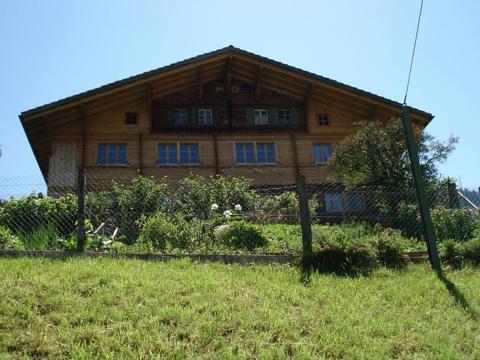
x=112, y=154
x=284, y=117
x=131, y=118
x=323, y=119
x=168, y=154
x=205, y=117
x=321, y=153
x=180, y=117
x=252, y=153
x=260, y=116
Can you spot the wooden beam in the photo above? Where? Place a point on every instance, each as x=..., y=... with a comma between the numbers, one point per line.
x=140, y=154
x=228, y=70
x=295, y=154
x=200, y=82
x=257, y=82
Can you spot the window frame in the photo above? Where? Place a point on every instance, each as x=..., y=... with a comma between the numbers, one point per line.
x=289, y=121
x=178, y=110
x=255, y=117
x=323, y=119
x=205, y=111
x=255, y=153
x=320, y=145
x=107, y=151
x=178, y=145
x=129, y=116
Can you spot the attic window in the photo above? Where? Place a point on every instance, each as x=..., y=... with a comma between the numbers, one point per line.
x=323, y=119
x=131, y=118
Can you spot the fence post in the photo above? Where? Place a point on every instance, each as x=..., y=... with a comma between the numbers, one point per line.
x=81, y=210
x=427, y=223
x=307, y=252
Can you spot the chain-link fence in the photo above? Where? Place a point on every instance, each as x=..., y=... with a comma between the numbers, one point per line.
x=199, y=215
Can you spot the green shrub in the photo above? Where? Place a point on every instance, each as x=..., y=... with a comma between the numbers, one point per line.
x=240, y=235
x=390, y=246
x=408, y=221
x=27, y=214
x=125, y=205
x=8, y=240
x=163, y=232
x=455, y=224
x=471, y=251
x=42, y=238
x=196, y=194
x=451, y=253
x=344, y=249
x=282, y=208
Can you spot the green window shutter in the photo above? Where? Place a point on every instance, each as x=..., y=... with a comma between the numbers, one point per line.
x=193, y=116
x=294, y=116
x=217, y=117
x=273, y=116
x=249, y=116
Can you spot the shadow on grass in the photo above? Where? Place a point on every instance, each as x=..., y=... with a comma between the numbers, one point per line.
x=457, y=295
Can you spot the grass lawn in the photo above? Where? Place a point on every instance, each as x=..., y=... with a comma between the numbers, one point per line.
x=129, y=309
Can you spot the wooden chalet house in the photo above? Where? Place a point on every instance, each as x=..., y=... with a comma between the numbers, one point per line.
x=227, y=112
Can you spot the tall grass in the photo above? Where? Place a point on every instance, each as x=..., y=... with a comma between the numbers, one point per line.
x=43, y=237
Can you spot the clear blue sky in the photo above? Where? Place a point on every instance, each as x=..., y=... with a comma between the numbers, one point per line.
x=53, y=49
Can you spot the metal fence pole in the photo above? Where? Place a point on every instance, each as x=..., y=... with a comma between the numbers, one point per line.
x=420, y=190
x=81, y=210
x=307, y=252
x=453, y=200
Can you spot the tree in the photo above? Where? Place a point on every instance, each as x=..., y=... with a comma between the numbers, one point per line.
x=377, y=155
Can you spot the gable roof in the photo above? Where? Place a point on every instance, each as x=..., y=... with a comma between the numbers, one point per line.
x=229, y=50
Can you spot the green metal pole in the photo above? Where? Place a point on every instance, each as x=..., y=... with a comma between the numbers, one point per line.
x=427, y=223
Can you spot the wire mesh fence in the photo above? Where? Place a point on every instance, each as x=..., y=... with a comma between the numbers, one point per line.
x=199, y=215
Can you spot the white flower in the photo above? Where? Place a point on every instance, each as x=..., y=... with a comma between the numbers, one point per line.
x=218, y=229
x=214, y=207
x=238, y=207
x=227, y=213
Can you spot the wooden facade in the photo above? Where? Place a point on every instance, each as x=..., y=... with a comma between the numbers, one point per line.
x=145, y=113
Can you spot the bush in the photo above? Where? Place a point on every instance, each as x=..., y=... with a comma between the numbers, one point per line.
x=196, y=195
x=451, y=253
x=240, y=235
x=455, y=224
x=163, y=232
x=471, y=251
x=125, y=205
x=8, y=240
x=408, y=221
x=42, y=238
x=283, y=208
x=344, y=249
x=25, y=215
x=390, y=245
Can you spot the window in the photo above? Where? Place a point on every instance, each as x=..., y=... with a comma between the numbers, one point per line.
x=205, y=117
x=284, y=117
x=189, y=154
x=321, y=153
x=260, y=116
x=334, y=202
x=168, y=154
x=131, y=118
x=180, y=117
x=252, y=153
x=112, y=154
x=323, y=119
x=266, y=153
x=245, y=153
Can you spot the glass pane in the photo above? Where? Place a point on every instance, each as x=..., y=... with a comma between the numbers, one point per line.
x=172, y=154
x=122, y=154
x=325, y=152
x=194, y=158
x=184, y=154
x=162, y=154
x=250, y=153
x=239, y=155
x=112, y=154
x=316, y=153
x=271, y=153
x=101, y=154
x=261, y=153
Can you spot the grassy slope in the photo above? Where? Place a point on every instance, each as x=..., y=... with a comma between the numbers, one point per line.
x=84, y=308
